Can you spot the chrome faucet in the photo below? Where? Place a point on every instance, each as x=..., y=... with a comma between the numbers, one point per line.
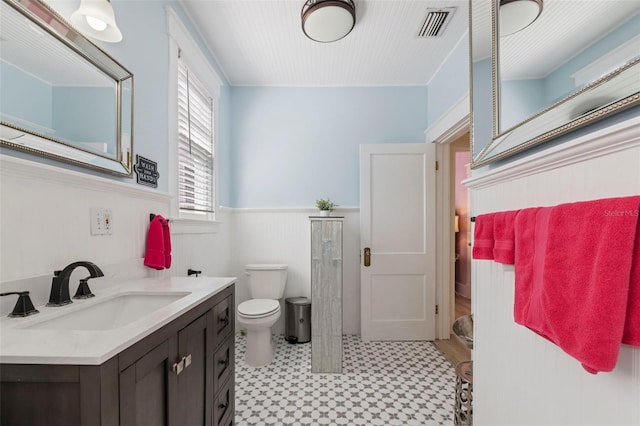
x=60, y=284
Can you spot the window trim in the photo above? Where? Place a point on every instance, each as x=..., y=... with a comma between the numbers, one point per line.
x=181, y=40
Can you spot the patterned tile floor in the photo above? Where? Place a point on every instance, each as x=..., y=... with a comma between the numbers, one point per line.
x=383, y=383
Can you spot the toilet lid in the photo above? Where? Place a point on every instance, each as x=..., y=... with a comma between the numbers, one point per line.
x=255, y=308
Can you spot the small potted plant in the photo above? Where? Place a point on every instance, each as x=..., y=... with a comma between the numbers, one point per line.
x=325, y=206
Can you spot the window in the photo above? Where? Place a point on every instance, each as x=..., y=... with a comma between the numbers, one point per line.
x=195, y=144
x=194, y=93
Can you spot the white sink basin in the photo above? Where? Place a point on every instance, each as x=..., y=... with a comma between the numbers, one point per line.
x=115, y=312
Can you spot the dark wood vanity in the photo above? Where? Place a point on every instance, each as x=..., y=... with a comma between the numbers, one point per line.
x=180, y=375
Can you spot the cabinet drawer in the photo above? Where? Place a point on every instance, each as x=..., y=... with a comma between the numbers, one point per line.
x=223, y=318
x=223, y=406
x=223, y=360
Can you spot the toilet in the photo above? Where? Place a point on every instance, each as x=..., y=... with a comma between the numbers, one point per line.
x=257, y=315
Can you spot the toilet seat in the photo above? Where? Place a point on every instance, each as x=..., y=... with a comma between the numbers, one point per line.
x=258, y=308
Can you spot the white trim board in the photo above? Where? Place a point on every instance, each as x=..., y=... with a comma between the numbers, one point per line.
x=450, y=125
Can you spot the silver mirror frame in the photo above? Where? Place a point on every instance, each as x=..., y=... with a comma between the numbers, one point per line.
x=490, y=153
x=46, y=146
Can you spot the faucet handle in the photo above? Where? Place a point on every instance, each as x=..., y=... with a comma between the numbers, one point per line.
x=84, y=292
x=24, y=307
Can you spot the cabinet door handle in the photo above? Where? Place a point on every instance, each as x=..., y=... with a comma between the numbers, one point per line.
x=367, y=256
x=178, y=367
x=224, y=362
x=224, y=320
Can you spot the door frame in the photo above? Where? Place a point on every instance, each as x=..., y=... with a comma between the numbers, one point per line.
x=454, y=123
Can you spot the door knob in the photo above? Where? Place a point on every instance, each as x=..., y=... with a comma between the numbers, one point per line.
x=367, y=256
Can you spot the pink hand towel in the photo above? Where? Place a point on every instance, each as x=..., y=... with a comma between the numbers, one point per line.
x=154, y=256
x=573, y=274
x=504, y=245
x=167, y=244
x=631, y=334
x=483, y=237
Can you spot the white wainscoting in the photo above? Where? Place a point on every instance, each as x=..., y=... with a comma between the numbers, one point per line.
x=284, y=236
x=44, y=226
x=519, y=377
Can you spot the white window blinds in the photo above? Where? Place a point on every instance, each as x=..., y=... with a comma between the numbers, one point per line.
x=195, y=144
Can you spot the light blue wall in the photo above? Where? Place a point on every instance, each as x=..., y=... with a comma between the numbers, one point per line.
x=451, y=82
x=292, y=146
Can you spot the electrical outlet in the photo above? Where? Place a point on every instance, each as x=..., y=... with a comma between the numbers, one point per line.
x=101, y=223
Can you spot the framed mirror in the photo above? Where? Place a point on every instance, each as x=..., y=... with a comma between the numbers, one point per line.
x=62, y=96
x=568, y=66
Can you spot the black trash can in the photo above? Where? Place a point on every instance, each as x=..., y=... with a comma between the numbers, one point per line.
x=297, y=320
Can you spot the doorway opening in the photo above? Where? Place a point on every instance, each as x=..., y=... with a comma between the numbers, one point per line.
x=461, y=170
x=455, y=243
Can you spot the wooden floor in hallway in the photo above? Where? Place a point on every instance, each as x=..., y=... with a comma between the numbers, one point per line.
x=453, y=348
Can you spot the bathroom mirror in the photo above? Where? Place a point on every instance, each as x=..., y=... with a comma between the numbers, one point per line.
x=573, y=65
x=62, y=97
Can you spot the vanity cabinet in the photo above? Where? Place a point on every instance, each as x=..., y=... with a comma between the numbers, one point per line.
x=181, y=374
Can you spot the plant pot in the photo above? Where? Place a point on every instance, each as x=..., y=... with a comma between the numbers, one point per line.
x=325, y=212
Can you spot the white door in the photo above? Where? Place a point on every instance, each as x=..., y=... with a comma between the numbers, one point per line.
x=397, y=238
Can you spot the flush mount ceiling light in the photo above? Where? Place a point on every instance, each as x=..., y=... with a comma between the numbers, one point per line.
x=328, y=20
x=95, y=18
x=516, y=15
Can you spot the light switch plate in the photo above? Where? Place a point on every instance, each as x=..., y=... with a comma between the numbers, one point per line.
x=101, y=223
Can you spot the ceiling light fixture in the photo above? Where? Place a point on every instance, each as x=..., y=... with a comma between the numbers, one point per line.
x=328, y=20
x=95, y=18
x=516, y=15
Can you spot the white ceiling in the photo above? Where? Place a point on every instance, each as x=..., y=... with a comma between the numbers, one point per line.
x=261, y=43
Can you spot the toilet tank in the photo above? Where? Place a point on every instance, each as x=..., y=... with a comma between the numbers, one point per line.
x=266, y=281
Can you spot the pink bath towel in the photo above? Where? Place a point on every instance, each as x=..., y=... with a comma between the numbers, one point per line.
x=631, y=334
x=483, y=237
x=154, y=256
x=574, y=265
x=524, y=232
x=504, y=245
x=166, y=232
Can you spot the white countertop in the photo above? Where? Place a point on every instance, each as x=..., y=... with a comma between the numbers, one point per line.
x=20, y=344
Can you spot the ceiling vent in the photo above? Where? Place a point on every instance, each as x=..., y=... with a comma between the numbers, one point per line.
x=435, y=22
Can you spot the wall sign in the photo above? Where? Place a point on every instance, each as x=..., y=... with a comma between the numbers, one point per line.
x=146, y=171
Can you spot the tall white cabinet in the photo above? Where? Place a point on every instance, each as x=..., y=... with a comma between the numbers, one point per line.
x=326, y=294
